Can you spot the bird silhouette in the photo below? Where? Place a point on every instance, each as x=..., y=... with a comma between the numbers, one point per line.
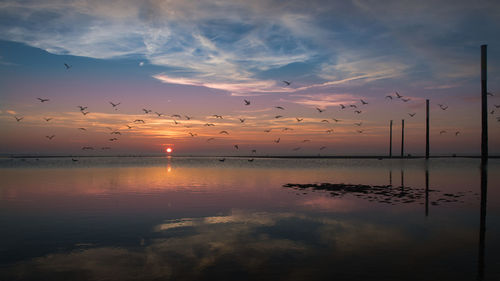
x=115, y=105
x=50, y=137
x=287, y=129
x=299, y=119
x=497, y=105
x=489, y=94
x=398, y=95
x=247, y=102
x=278, y=116
x=319, y=109
x=353, y=106
x=47, y=119
x=329, y=131
x=116, y=133
x=222, y=159
x=363, y=102
x=193, y=134
x=287, y=83
x=82, y=129
x=236, y=146
x=358, y=124
x=84, y=112
x=188, y=117
x=250, y=160
x=457, y=133
x=342, y=106
x=139, y=121
x=82, y=108
x=326, y=121
x=242, y=120
x=217, y=116
x=224, y=132
x=267, y=130
x=360, y=131
x=443, y=107
x=113, y=139
x=280, y=107
x=388, y=97
x=277, y=140
x=67, y=66
x=159, y=114
x=18, y=119
x=357, y=111
x=175, y=122
x=442, y=132
x=129, y=127
x=146, y=111
x=336, y=120
x=254, y=150
x=411, y=114
x=42, y=100
x=209, y=124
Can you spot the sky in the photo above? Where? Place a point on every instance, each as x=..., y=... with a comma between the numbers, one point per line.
x=205, y=58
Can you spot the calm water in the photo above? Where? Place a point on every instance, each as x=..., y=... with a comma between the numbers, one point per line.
x=201, y=219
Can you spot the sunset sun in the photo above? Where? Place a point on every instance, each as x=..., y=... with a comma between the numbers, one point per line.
x=168, y=150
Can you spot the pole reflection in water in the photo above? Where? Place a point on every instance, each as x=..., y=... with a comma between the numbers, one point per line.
x=426, y=189
x=482, y=222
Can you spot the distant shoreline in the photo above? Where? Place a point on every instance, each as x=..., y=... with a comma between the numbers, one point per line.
x=245, y=156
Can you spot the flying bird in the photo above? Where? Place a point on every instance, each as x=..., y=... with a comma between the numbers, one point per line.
x=442, y=132
x=67, y=66
x=326, y=121
x=443, y=107
x=247, y=102
x=210, y=139
x=457, y=133
x=353, y=106
x=175, y=122
x=250, y=160
x=175, y=116
x=329, y=131
x=139, y=121
x=411, y=114
x=82, y=108
x=115, y=105
x=236, y=146
x=209, y=124
x=336, y=120
x=267, y=130
x=224, y=132
x=50, y=137
x=193, y=134
x=299, y=119
x=287, y=83
x=357, y=111
x=358, y=124
x=287, y=129
x=113, y=139
x=497, y=105
x=277, y=140
x=278, y=116
x=47, y=119
x=242, y=120
x=342, y=106
x=254, y=150
x=18, y=118
x=42, y=100
x=360, y=131
x=188, y=117
x=217, y=116
x=398, y=95
x=319, y=109
x=279, y=107
x=363, y=102
x=82, y=129
x=222, y=159
x=128, y=126
x=146, y=111
x=116, y=133
x=388, y=97
x=159, y=114
x=84, y=112
x=489, y=94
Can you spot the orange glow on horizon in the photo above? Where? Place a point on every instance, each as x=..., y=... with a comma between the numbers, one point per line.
x=168, y=150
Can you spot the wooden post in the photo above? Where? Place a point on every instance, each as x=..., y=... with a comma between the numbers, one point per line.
x=427, y=129
x=484, y=106
x=482, y=221
x=402, y=137
x=426, y=190
x=390, y=140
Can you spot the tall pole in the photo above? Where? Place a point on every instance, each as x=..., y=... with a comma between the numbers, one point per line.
x=427, y=129
x=390, y=140
x=402, y=137
x=484, y=106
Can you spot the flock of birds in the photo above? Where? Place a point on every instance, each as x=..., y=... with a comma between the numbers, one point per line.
x=176, y=118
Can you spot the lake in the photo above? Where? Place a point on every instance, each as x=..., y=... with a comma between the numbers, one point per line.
x=201, y=218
